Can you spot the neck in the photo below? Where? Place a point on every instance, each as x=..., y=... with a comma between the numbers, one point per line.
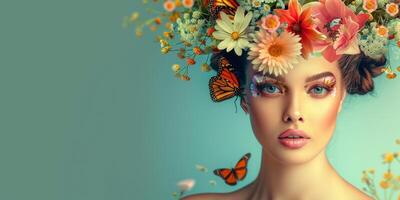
x=309, y=180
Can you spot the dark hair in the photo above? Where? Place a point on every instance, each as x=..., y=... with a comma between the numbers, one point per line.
x=357, y=70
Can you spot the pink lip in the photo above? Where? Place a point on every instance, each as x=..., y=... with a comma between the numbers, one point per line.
x=291, y=142
x=293, y=132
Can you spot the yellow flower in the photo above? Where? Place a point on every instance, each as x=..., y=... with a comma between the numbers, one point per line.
x=384, y=184
x=166, y=49
x=398, y=140
x=388, y=157
x=134, y=16
x=391, y=75
x=205, y=67
x=371, y=170
x=168, y=35
x=176, y=67
x=387, y=175
x=139, y=32
x=267, y=8
x=185, y=78
x=163, y=43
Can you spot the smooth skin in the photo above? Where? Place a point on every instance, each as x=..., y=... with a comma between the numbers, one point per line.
x=309, y=97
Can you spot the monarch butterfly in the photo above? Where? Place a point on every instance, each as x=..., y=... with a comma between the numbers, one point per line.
x=227, y=6
x=231, y=176
x=225, y=85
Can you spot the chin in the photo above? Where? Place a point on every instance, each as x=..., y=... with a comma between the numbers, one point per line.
x=292, y=156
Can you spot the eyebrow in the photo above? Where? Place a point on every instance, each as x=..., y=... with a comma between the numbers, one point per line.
x=278, y=78
x=308, y=79
x=318, y=76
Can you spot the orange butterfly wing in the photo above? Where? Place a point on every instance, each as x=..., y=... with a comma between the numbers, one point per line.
x=227, y=6
x=227, y=175
x=240, y=169
x=223, y=86
x=231, y=176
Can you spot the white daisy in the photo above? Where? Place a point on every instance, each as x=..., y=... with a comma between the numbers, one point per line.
x=233, y=33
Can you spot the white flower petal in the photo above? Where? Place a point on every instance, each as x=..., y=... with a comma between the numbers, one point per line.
x=231, y=45
x=246, y=21
x=219, y=35
x=238, y=51
x=225, y=23
x=238, y=19
x=242, y=43
x=224, y=44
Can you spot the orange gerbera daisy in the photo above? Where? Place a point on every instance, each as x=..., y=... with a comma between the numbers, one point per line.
x=274, y=53
x=300, y=23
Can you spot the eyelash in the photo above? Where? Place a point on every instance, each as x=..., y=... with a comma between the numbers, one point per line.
x=327, y=88
x=261, y=86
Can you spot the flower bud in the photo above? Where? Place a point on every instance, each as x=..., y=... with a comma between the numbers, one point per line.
x=176, y=67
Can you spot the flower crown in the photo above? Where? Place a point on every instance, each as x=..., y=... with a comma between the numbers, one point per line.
x=275, y=33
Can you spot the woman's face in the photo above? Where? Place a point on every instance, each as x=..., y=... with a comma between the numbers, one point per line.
x=307, y=98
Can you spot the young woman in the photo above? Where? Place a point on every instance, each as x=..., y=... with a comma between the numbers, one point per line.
x=304, y=103
x=292, y=63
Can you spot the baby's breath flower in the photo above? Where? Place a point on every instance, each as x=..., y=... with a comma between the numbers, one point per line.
x=382, y=3
x=196, y=14
x=267, y=8
x=256, y=3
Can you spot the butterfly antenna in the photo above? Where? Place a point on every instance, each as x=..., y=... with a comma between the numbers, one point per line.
x=235, y=104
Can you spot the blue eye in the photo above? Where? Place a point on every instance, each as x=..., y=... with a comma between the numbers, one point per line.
x=319, y=90
x=271, y=89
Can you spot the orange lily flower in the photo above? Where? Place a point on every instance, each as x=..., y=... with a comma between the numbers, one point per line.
x=300, y=22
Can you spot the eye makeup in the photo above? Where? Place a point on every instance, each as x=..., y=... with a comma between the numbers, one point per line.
x=259, y=81
x=326, y=83
x=267, y=86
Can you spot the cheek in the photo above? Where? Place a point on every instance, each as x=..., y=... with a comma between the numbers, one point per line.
x=323, y=114
x=264, y=120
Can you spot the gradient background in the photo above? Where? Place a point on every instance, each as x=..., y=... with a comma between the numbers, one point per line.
x=89, y=112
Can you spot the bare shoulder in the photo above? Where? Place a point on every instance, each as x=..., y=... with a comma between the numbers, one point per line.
x=362, y=196
x=353, y=193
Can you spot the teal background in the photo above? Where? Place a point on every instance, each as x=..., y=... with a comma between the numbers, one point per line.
x=88, y=111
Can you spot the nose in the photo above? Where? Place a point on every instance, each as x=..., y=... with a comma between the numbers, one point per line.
x=293, y=113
